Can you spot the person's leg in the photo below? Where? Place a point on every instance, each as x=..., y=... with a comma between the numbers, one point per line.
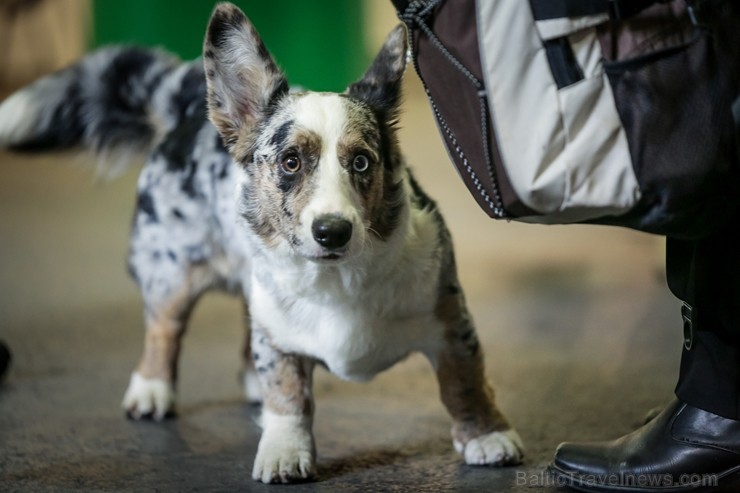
x=705, y=274
x=4, y=359
x=694, y=444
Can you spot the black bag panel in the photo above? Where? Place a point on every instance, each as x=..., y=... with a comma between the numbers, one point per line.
x=675, y=105
x=456, y=109
x=658, y=28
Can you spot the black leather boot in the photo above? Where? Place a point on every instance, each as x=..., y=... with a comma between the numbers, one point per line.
x=683, y=449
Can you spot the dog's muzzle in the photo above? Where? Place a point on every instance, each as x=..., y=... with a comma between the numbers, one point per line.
x=331, y=231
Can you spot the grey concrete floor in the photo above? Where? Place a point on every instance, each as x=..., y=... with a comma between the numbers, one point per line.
x=581, y=337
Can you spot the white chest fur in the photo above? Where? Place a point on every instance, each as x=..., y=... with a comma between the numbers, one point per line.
x=360, y=317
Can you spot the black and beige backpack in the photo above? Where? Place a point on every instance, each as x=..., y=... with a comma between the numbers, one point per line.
x=601, y=111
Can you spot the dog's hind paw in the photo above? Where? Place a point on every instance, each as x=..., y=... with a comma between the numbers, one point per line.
x=499, y=448
x=149, y=398
x=286, y=452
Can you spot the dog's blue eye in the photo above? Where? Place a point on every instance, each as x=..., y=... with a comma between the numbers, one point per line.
x=292, y=164
x=361, y=163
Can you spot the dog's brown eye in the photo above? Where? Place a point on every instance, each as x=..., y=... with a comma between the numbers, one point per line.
x=292, y=164
x=361, y=163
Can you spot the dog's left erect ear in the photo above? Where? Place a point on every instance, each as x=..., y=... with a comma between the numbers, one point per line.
x=380, y=87
x=242, y=77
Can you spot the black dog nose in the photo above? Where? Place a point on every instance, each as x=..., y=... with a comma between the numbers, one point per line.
x=331, y=232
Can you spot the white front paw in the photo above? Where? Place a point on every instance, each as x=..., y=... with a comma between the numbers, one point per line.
x=286, y=452
x=148, y=397
x=499, y=448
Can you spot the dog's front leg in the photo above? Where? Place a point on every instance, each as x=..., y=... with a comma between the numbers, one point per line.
x=480, y=432
x=286, y=452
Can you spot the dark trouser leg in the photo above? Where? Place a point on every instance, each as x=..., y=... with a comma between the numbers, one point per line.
x=691, y=438
x=706, y=275
x=4, y=359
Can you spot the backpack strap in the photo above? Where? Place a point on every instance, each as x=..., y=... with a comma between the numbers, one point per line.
x=617, y=9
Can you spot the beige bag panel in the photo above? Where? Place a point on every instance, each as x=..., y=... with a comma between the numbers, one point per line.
x=562, y=148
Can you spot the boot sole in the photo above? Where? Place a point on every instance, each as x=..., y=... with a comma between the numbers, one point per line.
x=724, y=482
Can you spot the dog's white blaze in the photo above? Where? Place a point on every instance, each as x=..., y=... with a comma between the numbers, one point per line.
x=325, y=114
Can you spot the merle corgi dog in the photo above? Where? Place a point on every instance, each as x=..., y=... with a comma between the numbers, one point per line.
x=299, y=202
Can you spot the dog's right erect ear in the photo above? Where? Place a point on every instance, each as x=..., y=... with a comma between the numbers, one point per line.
x=242, y=77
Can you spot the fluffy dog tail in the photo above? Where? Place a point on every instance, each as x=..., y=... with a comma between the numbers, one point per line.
x=117, y=102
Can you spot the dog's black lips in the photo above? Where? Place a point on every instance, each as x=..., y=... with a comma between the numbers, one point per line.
x=328, y=258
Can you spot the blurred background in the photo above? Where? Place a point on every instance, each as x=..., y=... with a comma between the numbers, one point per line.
x=39, y=36
x=580, y=332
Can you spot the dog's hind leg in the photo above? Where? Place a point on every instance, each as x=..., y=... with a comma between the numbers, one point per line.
x=168, y=301
x=286, y=451
x=480, y=432
x=151, y=390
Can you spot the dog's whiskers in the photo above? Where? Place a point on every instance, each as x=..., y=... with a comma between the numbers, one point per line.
x=376, y=233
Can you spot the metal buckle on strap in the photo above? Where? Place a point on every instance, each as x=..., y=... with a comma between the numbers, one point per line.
x=688, y=313
x=697, y=10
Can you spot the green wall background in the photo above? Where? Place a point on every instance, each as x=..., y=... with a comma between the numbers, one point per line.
x=319, y=43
